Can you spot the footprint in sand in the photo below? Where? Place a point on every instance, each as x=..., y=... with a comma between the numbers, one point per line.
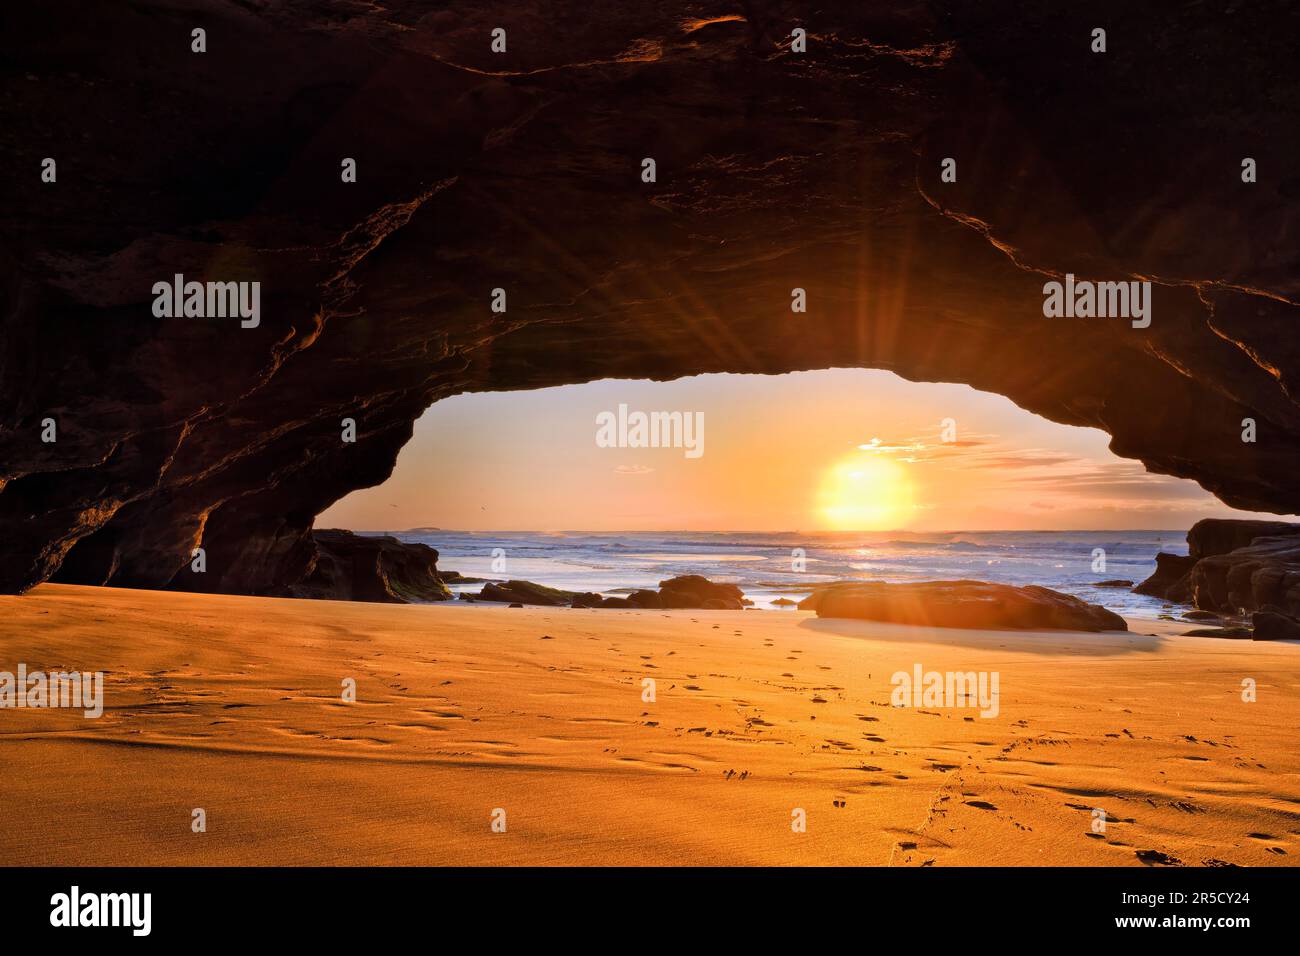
x=664, y=767
x=418, y=726
x=1156, y=857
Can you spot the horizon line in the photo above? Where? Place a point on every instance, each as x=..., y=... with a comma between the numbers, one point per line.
x=784, y=531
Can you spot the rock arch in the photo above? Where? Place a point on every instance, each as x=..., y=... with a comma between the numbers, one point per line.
x=521, y=171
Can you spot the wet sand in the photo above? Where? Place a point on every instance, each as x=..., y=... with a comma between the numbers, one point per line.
x=234, y=705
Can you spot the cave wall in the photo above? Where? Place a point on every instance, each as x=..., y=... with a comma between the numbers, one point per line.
x=479, y=170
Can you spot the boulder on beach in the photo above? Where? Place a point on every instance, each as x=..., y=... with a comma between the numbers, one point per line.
x=646, y=599
x=1273, y=625
x=525, y=592
x=964, y=604
x=688, y=592
x=697, y=591
x=1235, y=633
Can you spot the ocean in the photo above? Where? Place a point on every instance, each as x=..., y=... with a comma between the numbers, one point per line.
x=768, y=566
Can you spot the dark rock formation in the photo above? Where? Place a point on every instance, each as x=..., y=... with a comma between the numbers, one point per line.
x=525, y=592
x=688, y=591
x=776, y=170
x=1233, y=567
x=1232, y=632
x=1116, y=583
x=694, y=591
x=1274, y=626
x=455, y=577
x=965, y=604
x=1171, y=579
x=352, y=567
x=1215, y=536
x=1264, y=573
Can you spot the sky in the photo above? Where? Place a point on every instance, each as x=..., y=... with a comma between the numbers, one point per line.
x=836, y=449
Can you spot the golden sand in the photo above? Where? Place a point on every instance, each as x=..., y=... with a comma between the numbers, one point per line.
x=233, y=705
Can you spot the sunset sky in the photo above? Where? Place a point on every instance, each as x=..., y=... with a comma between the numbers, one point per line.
x=834, y=449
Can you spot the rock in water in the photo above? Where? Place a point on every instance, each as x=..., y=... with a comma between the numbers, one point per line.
x=1171, y=578
x=966, y=604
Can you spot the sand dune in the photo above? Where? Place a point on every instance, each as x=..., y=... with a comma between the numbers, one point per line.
x=233, y=705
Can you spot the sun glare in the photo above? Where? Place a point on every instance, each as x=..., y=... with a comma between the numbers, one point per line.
x=865, y=493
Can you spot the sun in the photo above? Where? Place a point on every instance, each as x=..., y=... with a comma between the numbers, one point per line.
x=865, y=493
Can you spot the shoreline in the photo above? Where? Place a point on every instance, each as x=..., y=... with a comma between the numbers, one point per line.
x=770, y=566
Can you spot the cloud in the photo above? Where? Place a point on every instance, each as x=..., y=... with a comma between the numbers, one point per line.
x=887, y=448
x=1101, y=486
x=1029, y=459
x=921, y=448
